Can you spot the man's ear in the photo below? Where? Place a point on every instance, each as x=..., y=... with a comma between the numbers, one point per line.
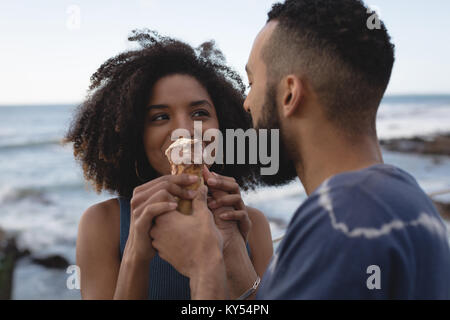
x=292, y=93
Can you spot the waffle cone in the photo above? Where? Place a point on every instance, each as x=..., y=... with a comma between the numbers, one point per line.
x=185, y=206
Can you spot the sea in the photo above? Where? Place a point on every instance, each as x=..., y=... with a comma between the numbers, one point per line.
x=43, y=193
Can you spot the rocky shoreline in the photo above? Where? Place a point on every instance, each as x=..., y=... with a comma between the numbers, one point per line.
x=9, y=256
x=444, y=210
x=438, y=144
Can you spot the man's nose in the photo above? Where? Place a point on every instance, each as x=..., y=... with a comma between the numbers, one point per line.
x=247, y=105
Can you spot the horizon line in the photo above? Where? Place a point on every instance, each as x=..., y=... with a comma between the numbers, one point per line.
x=50, y=104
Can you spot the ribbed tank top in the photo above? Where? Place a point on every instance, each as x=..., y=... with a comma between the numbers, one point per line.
x=165, y=282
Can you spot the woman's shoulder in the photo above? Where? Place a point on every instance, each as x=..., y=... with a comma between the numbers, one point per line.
x=102, y=218
x=260, y=224
x=104, y=210
x=257, y=216
x=98, y=243
x=260, y=240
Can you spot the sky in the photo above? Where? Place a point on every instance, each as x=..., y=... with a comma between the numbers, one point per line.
x=50, y=48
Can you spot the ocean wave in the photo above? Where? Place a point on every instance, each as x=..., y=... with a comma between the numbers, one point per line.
x=12, y=145
x=409, y=120
x=270, y=194
x=39, y=194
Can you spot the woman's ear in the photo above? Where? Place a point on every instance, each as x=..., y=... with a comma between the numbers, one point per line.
x=292, y=90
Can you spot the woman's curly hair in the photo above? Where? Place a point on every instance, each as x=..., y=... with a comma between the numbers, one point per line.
x=108, y=125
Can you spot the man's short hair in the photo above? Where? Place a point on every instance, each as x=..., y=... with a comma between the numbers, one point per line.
x=332, y=44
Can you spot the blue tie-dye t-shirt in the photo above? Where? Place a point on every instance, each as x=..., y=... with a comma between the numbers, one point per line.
x=368, y=234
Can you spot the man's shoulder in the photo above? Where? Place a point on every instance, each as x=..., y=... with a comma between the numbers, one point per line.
x=372, y=195
x=380, y=202
x=353, y=222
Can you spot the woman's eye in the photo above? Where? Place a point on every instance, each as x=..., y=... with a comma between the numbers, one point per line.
x=200, y=113
x=160, y=117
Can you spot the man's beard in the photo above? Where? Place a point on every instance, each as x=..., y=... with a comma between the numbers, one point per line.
x=270, y=119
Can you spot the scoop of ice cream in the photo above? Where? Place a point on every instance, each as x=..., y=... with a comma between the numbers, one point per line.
x=182, y=151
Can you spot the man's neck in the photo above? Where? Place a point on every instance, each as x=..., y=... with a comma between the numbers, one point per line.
x=330, y=155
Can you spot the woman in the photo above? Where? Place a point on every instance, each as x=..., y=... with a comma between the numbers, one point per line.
x=119, y=135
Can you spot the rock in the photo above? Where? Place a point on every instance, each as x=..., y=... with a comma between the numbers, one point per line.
x=444, y=209
x=23, y=253
x=53, y=261
x=8, y=257
x=431, y=145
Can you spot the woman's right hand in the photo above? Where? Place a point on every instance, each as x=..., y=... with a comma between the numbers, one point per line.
x=150, y=200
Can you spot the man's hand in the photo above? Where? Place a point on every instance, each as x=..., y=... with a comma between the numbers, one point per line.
x=231, y=218
x=188, y=242
x=230, y=212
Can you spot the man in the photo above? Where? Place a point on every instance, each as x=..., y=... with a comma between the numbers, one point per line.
x=366, y=230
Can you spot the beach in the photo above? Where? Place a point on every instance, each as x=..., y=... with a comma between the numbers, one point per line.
x=43, y=194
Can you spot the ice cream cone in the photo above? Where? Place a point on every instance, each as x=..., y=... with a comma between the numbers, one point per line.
x=187, y=167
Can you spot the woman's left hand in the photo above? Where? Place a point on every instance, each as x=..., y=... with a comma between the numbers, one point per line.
x=227, y=206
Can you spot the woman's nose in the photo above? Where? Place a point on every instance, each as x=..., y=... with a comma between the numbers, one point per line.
x=184, y=123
